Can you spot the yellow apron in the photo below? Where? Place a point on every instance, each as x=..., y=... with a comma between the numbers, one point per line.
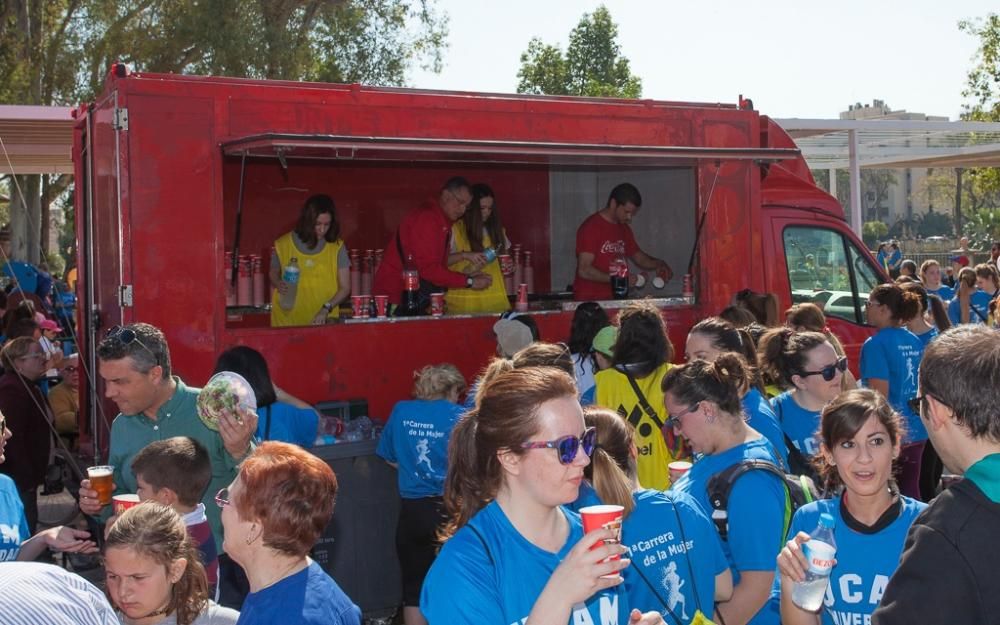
x=317, y=282
x=469, y=301
x=615, y=392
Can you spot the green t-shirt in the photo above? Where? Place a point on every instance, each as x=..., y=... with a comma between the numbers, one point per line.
x=985, y=474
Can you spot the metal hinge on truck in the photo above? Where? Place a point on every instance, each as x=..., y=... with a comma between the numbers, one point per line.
x=121, y=119
x=125, y=295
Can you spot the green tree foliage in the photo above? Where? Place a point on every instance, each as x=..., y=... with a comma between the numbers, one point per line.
x=872, y=232
x=982, y=227
x=591, y=66
x=935, y=223
x=982, y=89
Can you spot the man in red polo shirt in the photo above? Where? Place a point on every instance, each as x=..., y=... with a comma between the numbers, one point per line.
x=605, y=236
x=425, y=233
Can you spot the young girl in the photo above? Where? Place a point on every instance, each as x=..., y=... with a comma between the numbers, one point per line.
x=478, y=230
x=665, y=580
x=704, y=403
x=512, y=552
x=930, y=305
x=889, y=364
x=153, y=573
x=712, y=337
x=808, y=364
x=971, y=304
x=861, y=437
x=930, y=275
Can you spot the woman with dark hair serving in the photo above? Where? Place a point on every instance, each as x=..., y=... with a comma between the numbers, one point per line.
x=860, y=440
x=512, y=552
x=889, y=363
x=704, y=403
x=479, y=230
x=324, y=267
x=678, y=582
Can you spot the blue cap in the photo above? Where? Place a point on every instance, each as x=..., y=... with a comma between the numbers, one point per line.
x=827, y=521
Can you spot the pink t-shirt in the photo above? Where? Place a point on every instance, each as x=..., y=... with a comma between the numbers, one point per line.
x=606, y=241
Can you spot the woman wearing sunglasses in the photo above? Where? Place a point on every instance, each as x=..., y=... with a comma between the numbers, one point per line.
x=889, y=363
x=704, y=402
x=663, y=576
x=860, y=437
x=808, y=364
x=512, y=552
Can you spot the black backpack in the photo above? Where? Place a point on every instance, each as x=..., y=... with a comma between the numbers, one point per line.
x=798, y=462
x=799, y=490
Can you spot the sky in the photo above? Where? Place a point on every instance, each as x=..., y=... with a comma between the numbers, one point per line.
x=803, y=58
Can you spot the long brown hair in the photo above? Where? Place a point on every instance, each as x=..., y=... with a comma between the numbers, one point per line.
x=810, y=317
x=157, y=531
x=506, y=415
x=612, y=468
x=315, y=206
x=474, y=224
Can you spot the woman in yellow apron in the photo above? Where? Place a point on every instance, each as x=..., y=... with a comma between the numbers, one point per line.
x=478, y=230
x=324, y=268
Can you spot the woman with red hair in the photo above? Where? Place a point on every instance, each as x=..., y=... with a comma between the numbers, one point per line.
x=273, y=513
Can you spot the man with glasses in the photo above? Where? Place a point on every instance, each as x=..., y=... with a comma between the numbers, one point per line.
x=64, y=399
x=134, y=363
x=425, y=234
x=947, y=573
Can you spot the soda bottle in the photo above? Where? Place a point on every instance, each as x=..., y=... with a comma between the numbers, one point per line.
x=408, y=303
x=819, y=551
x=619, y=278
x=290, y=276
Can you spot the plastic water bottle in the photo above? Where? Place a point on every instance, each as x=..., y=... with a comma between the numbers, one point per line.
x=491, y=254
x=819, y=551
x=290, y=276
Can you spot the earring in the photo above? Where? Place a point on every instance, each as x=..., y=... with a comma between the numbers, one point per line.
x=251, y=537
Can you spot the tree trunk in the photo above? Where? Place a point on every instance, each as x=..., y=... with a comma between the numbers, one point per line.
x=25, y=220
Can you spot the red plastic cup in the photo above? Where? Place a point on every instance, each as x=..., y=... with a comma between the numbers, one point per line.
x=521, y=305
x=437, y=304
x=121, y=503
x=358, y=308
x=506, y=264
x=678, y=468
x=381, y=305
x=608, y=517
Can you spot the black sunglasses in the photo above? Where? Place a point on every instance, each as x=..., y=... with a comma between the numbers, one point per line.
x=568, y=446
x=917, y=403
x=829, y=372
x=127, y=336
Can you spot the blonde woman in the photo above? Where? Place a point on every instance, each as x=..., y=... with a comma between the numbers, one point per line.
x=415, y=441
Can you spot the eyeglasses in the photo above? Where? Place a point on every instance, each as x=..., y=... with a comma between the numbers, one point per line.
x=36, y=355
x=675, y=420
x=829, y=372
x=70, y=369
x=222, y=497
x=464, y=203
x=568, y=446
x=918, y=402
x=127, y=336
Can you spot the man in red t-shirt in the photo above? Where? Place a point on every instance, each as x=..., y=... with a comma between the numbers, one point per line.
x=425, y=233
x=605, y=236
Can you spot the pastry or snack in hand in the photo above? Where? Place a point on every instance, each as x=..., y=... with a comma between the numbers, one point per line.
x=226, y=393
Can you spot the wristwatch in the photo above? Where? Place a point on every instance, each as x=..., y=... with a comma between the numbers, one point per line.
x=468, y=282
x=328, y=306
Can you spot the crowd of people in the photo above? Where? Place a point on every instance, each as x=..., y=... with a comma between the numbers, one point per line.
x=697, y=454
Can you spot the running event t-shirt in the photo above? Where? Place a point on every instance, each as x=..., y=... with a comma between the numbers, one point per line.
x=606, y=241
x=945, y=292
x=928, y=336
x=13, y=525
x=979, y=302
x=894, y=354
x=673, y=564
x=801, y=425
x=416, y=438
x=865, y=561
x=761, y=417
x=489, y=573
x=756, y=507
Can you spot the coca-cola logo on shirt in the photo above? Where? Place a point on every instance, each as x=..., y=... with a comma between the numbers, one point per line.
x=613, y=247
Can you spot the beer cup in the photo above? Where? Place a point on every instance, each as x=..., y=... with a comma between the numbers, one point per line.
x=102, y=480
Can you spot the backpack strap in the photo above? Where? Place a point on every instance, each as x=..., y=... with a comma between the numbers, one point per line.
x=642, y=401
x=721, y=485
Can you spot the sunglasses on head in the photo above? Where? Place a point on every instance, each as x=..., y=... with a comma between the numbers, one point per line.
x=127, y=336
x=568, y=446
x=829, y=372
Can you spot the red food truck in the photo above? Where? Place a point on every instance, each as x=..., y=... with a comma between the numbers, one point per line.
x=175, y=171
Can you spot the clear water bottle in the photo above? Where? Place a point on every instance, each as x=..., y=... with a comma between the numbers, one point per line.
x=290, y=276
x=819, y=551
x=491, y=254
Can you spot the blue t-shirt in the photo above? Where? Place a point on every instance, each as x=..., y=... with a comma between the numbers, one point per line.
x=416, y=438
x=894, y=354
x=894, y=257
x=288, y=424
x=945, y=292
x=801, y=425
x=978, y=301
x=310, y=597
x=488, y=573
x=657, y=544
x=756, y=506
x=865, y=561
x=586, y=496
x=761, y=417
x=13, y=526
x=928, y=336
